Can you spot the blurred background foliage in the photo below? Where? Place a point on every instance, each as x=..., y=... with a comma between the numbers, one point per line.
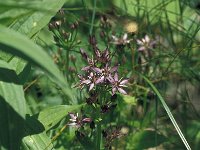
x=38, y=71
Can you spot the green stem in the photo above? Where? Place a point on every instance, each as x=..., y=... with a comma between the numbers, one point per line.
x=98, y=130
x=93, y=17
x=168, y=111
x=98, y=146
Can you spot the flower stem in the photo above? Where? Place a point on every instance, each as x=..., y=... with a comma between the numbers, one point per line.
x=98, y=130
x=98, y=146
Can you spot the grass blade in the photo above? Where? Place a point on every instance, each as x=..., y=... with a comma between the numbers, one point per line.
x=168, y=112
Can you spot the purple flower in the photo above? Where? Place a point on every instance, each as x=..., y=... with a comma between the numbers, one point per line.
x=117, y=85
x=145, y=43
x=122, y=40
x=105, y=73
x=77, y=122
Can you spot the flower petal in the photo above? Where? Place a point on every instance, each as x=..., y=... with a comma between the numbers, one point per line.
x=86, y=68
x=91, y=86
x=116, y=77
x=123, y=82
x=72, y=115
x=125, y=36
x=122, y=91
x=87, y=120
x=86, y=81
x=114, y=69
x=100, y=80
x=142, y=48
x=110, y=79
x=114, y=38
x=98, y=70
x=114, y=90
x=139, y=42
x=147, y=39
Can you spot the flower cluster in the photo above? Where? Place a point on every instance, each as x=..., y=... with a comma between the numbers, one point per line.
x=99, y=72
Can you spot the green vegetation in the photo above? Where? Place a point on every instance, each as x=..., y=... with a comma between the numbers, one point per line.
x=98, y=74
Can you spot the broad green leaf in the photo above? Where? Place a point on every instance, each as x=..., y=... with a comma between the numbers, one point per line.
x=10, y=90
x=51, y=116
x=5, y=56
x=37, y=142
x=19, y=45
x=12, y=108
x=30, y=25
x=145, y=139
x=35, y=136
x=30, y=21
x=18, y=64
x=21, y=67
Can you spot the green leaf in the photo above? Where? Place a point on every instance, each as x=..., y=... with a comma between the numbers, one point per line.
x=35, y=136
x=145, y=139
x=12, y=108
x=52, y=115
x=11, y=92
x=21, y=46
x=30, y=25
x=21, y=67
x=5, y=56
x=37, y=142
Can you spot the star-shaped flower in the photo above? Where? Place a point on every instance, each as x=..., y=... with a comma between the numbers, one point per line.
x=122, y=40
x=145, y=43
x=77, y=122
x=118, y=85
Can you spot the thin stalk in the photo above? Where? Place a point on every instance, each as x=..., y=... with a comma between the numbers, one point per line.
x=156, y=122
x=98, y=144
x=168, y=112
x=93, y=17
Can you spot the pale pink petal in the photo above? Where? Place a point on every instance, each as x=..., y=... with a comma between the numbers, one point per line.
x=113, y=69
x=85, y=68
x=72, y=116
x=114, y=38
x=141, y=48
x=87, y=120
x=97, y=52
x=122, y=91
x=139, y=42
x=124, y=81
x=97, y=69
x=91, y=86
x=116, y=77
x=100, y=80
x=147, y=39
x=110, y=79
x=125, y=36
x=114, y=90
x=86, y=81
